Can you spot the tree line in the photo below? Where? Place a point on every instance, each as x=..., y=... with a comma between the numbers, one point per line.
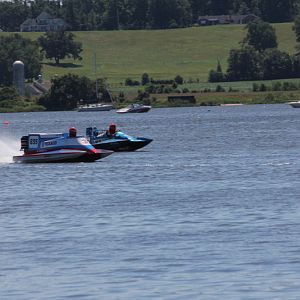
x=140, y=14
x=259, y=58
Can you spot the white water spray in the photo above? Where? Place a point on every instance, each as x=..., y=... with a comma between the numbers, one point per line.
x=8, y=148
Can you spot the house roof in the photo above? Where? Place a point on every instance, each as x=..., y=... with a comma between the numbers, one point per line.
x=47, y=20
x=220, y=18
x=227, y=18
x=44, y=16
x=241, y=17
x=28, y=22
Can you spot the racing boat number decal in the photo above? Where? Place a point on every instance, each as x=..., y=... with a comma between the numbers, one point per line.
x=33, y=142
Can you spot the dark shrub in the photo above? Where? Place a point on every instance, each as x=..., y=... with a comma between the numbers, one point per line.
x=220, y=89
x=255, y=87
x=130, y=82
x=215, y=76
x=178, y=79
x=262, y=88
x=145, y=79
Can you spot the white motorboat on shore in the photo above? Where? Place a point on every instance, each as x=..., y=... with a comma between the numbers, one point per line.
x=95, y=107
x=295, y=104
x=134, y=108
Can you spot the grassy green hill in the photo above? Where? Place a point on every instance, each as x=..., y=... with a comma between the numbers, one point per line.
x=189, y=52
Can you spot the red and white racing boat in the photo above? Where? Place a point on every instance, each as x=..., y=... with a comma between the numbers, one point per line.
x=58, y=147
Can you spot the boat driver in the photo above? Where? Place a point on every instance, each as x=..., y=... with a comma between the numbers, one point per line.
x=72, y=132
x=112, y=129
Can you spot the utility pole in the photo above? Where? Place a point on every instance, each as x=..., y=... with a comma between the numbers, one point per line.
x=95, y=70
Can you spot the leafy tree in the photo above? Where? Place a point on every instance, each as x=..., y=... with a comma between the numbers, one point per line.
x=97, y=13
x=138, y=18
x=8, y=93
x=15, y=47
x=139, y=14
x=12, y=14
x=111, y=20
x=104, y=94
x=244, y=64
x=159, y=13
x=169, y=13
x=219, y=89
x=276, y=64
x=38, y=6
x=131, y=82
x=198, y=8
x=67, y=91
x=219, y=7
x=71, y=13
x=178, y=79
x=181, y=12
x=276, y=10
x=217, y=75
x=60, y=44
x=296, y=27
x=296, y=65
x=296, y=59
x=219, y=67
x=255, y=87
x=145, y=79
x=262, y=88
x=261, y=36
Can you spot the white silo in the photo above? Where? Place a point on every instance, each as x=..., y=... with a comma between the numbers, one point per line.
x=19, y=79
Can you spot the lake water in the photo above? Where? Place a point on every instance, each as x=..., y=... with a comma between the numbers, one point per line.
x=209, y=210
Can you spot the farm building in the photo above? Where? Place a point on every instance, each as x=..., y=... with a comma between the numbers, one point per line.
x=226, y=19
x=44, y=22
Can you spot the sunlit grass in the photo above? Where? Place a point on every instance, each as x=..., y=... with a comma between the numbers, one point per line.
x=163, y=54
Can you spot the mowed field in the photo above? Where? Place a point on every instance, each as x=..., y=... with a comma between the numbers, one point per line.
x=163, y=54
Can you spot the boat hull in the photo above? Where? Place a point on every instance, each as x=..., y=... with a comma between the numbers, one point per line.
x=295, y=104
x=87, y=109
x=133, y=111
x=62, y=156
x=135, y=108
x=125, y=145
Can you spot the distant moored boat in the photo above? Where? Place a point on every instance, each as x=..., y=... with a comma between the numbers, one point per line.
x=134, y=108
x=95, y=107
x=295, y=104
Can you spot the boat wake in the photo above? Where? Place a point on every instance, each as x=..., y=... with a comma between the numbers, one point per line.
x=8, y=148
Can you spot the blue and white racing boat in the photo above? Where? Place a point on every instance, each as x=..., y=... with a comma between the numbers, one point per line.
x=58, y=147
x=112, y=139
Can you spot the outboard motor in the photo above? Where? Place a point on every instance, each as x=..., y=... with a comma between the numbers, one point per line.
x=24, y=142
x=89, y=131
x=89, y=134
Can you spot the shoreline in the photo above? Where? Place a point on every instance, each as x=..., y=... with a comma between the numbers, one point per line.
x=199, y=99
